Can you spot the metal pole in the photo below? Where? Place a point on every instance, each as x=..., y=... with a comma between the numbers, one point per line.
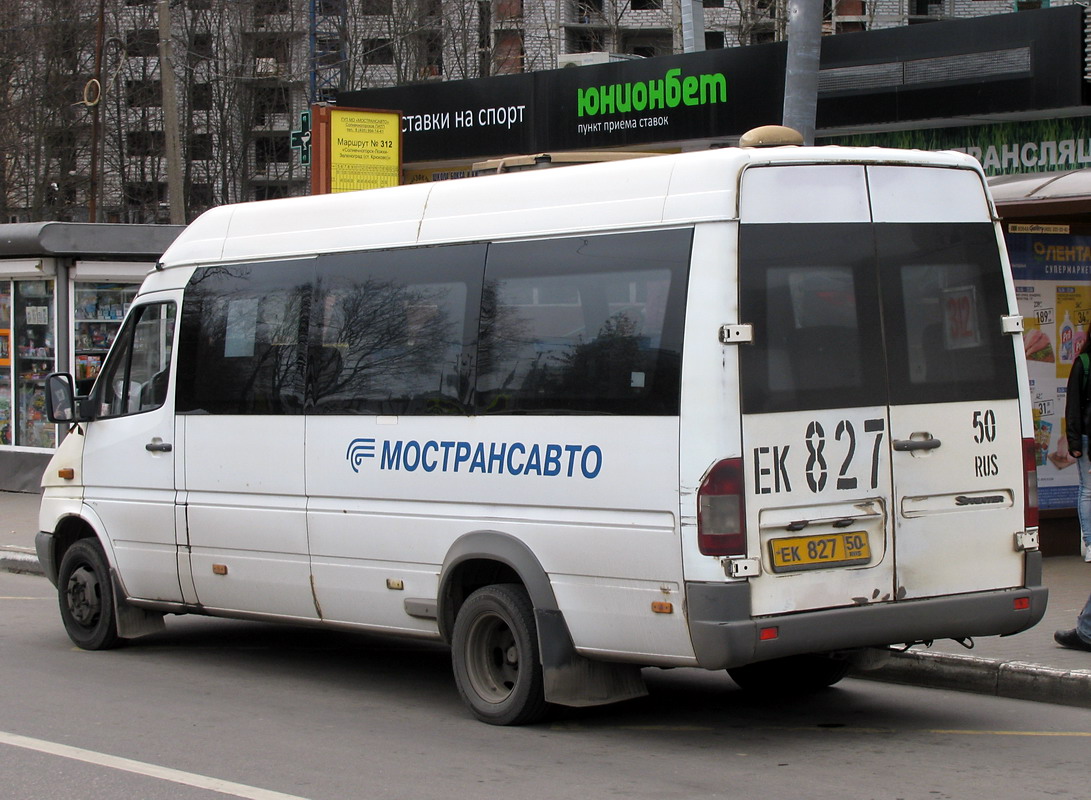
x=171, y=136
x=801, y=71
x=96, y=113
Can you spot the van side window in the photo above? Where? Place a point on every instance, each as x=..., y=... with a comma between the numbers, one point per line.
x=585, y=325
x=389, y=328
x=240, y=346
x=135, y=377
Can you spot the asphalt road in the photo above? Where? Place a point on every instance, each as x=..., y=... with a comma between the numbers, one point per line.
x=214, y=708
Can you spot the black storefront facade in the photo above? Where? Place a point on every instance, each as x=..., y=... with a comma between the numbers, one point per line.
x=1002, y=82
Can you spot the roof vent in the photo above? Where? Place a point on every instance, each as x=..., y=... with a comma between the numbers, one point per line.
x=771, y=136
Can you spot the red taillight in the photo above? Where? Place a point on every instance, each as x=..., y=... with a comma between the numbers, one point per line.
x=721, y=512
x=1030, y=483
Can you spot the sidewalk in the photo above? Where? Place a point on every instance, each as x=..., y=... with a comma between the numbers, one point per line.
x=1028, y=666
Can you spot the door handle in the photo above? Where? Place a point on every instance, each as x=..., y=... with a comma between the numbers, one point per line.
x=906, y=445
x=158, y=447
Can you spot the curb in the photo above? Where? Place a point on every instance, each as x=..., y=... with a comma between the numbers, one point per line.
x=20, y=559
x=1018, y=680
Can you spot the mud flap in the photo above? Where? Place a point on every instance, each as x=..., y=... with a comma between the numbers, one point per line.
x=572, y=680
x=133, y=622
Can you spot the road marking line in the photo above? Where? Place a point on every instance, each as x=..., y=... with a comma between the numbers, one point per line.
x=142, y=768
x=17, y=597
x=1013, y=733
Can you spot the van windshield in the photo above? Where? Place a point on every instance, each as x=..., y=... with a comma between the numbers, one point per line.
x=861, y=314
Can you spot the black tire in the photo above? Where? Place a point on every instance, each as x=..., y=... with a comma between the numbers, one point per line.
x=494, y=651
x=791, y=675
x=86, y=597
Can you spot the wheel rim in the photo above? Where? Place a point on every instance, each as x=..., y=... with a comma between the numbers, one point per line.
x=83, y=596
x=492, y=658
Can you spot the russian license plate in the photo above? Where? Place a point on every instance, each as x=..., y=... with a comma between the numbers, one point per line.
x=816, y=552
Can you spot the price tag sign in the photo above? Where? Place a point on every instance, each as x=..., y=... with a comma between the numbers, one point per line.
x=961, y=327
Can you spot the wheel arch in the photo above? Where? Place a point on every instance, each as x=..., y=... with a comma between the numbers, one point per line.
x=482, y=558
x=51, y=547
x=486, y=557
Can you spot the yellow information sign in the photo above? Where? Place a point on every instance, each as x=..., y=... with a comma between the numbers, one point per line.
x=365, y=149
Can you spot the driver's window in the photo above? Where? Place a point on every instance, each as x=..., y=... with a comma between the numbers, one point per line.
x=136, y=373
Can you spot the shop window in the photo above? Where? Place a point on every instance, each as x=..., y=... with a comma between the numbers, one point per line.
x=7, y=350
x=97, y=311
x=30, y=334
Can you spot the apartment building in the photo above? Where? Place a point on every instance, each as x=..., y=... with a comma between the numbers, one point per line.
x=87, y=121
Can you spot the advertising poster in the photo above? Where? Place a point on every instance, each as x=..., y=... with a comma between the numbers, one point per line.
x=365, y=149
x=1052, y=272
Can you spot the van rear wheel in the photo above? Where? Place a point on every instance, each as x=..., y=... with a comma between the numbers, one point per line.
x=86, y=597
x=494, y=651
x=792, y=674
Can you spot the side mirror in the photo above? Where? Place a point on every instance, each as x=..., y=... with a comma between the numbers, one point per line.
x=60, y=398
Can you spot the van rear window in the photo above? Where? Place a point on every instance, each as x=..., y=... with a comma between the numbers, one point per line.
x=858, y=314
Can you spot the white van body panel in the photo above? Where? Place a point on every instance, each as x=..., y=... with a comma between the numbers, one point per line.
x=710, y=384
x=132, y=491
x=376, y=516
x=247, y=509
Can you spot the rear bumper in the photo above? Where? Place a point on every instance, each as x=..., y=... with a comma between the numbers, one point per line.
x=725, y=636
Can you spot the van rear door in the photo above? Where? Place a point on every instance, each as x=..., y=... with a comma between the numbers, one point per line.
x=880, y=400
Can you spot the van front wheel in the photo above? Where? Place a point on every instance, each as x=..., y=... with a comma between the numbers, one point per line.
x=792, y=674
x=86, y=597
x=494, y=651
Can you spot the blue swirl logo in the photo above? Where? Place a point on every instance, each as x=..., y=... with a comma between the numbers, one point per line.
x=358, y=450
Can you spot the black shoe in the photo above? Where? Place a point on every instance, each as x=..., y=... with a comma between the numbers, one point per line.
x=1071, y=639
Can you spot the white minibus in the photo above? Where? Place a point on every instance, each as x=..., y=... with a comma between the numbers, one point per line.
x=754, y=409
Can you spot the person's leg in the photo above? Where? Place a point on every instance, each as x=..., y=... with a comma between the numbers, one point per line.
x=1078, y=638
x=1083, y=500
x=1083, y=623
